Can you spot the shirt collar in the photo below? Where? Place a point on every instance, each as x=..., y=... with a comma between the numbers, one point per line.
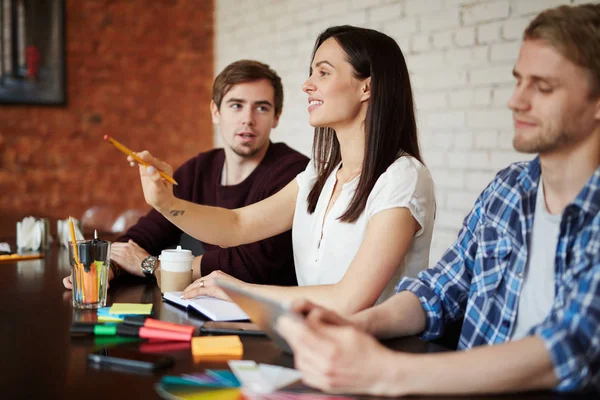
x=588, y=199
x=530, y=176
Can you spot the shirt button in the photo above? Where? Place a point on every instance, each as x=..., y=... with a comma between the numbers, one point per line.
x=520, y=274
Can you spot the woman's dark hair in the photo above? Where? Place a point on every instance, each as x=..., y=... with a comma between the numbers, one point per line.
x=390, y=124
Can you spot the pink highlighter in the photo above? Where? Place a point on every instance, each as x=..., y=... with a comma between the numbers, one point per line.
x=158, y=324
x=152, y=333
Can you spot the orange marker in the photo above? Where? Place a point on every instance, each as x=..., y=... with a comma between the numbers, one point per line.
x=136, y=158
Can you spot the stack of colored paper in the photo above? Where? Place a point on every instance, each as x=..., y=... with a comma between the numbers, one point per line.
x=105, y=316
x=190, y=393
x=246, y=374
x=131, y=309
x=230, y=345
x=263, y=378
x=210, y=385
x=118, y=311
x=295, y=396
x=223, y=384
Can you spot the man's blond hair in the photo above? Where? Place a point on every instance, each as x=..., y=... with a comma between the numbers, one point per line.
x=575, y=32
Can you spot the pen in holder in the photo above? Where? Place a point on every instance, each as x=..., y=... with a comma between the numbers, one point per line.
x=89, y=260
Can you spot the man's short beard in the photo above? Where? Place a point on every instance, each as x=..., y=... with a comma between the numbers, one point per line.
x=250, y=154
x=541, y=146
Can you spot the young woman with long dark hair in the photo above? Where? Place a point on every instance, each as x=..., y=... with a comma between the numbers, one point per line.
x=362, y=212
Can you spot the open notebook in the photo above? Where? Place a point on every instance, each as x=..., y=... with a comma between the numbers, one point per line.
x=212, y=308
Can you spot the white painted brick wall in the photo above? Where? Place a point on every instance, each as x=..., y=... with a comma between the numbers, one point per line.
x=442, y=40
x=489, y=33
x=465, y=36
x=460, y=54
x=512, y=29
x=499, y=73
x=441, y=20
x=420, y=7
x=533, y=7
x=386, y=13
x=486, y=11
x=504, y=51
x=449, y=179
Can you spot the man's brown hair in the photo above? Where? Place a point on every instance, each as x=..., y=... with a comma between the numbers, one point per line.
x=244, y=71
x=575, y=32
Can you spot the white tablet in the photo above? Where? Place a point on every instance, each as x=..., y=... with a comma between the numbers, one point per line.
x=262, y=311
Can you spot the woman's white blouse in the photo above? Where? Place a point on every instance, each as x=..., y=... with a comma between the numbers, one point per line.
x=406, y=183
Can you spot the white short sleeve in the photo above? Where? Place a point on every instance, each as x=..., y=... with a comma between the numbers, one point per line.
x=406, y=183
x=306, y=179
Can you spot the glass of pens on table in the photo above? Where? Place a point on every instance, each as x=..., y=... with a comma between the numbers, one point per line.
x=89, y=260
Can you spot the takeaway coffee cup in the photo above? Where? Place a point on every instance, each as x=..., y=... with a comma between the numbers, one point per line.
x=175, y=269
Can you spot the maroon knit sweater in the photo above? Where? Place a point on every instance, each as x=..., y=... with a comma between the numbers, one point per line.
x=269, y=261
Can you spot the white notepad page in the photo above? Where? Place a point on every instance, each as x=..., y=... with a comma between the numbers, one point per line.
x=213, y=308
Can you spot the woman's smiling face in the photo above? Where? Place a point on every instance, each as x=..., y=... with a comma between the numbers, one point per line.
x=334, y=93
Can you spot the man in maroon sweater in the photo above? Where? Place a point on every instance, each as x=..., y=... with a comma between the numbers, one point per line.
x=246, y=104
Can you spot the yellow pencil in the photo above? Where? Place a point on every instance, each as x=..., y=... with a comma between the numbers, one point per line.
x=78, y=266
x=136, y=158
x=20, y=257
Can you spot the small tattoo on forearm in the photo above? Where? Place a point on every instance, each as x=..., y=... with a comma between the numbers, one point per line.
x=176, y=213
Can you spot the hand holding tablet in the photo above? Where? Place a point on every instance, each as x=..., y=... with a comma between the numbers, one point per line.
x=263, y=311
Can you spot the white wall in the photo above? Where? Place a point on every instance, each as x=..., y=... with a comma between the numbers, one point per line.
x=460, y=54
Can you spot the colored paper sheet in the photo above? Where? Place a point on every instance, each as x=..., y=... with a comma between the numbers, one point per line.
x=187, y=392
x=296, y=396
x=203, y=379
x=263, y=378
x=217, y=346
x=225, y=377
x=105, y=312
x=103, y=318
x=221, y=384
x=279, y=376
x=131, y=309
x=189, y=381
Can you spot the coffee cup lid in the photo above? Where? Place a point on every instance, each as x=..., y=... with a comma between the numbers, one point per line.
x=177, y=254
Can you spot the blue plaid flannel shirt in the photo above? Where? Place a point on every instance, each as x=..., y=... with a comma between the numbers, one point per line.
x=479, y=277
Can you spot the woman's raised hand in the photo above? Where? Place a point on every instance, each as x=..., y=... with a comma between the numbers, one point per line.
x=157, y=191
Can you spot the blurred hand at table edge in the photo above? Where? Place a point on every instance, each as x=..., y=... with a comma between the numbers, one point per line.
x=308, y=308
x=325, y=351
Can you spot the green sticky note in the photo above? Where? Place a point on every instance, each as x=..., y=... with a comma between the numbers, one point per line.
x=131, y=309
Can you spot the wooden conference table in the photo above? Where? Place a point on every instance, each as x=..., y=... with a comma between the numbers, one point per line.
x=39, y=359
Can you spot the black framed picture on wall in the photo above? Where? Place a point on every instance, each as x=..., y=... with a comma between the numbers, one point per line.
x=32, y=52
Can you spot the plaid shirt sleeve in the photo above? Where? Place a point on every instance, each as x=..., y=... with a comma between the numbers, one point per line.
x=443, y=290
x=571, y=332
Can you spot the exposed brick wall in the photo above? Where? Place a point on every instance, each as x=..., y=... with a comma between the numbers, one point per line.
x=460, y=54
x=138, y=70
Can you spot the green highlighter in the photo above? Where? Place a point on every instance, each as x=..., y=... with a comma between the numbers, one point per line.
x=91, y=329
